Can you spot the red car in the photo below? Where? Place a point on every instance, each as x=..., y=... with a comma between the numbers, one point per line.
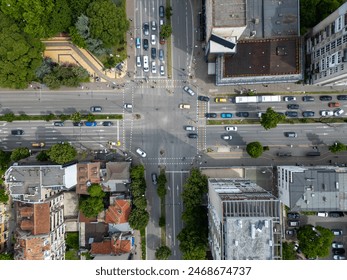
x=334, y=104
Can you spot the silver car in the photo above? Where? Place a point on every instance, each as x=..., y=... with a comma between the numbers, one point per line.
x=189, y=90
x=141, y=152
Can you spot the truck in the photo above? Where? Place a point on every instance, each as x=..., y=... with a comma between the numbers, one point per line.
x=257, y=99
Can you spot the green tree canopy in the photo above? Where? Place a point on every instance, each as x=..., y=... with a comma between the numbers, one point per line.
x=62, y=153
x=3, y=196
x=42, y=156
x=192, y=244
x=270, y=119
x=166, y=31
x=91, y=206
x=138, y=218
x=95, y=190
x=5, y=256
x=162, y=253
x=288, y=252
x=61, y=18
x=140, y=202
x=20, y=54
x=19, y=153
x=316, y=241
x=5, y=159
x=254, y=149
x=161, y=189
x=337, y=147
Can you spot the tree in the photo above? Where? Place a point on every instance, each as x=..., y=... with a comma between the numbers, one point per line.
x=92, y=205
x=76, y=117
x=5, y=159
x=192, y=244
x=19, y=153
x=95, y=190
x=6, y=257
x=140, y=202
x=78, y=7
x=161, y=189
x=62, y=153
x=20, y=54
x=288, y=252
x=315, y=241
x=168, y=12
x=254, y=149
x=42, y=156
x=270, y=119
x=337, y=147
x=3, y=196
x=61, y=17
x=138, y=218
x=166, y=31
x=162, y=253
x=137, y=172
x=91, y=117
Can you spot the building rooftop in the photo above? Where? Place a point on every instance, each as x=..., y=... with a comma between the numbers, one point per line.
x=118, y=212
x=87, y=174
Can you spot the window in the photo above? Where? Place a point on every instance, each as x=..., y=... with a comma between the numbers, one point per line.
x=333, y=45
x=338, y=57
x=327, y=48
x=344, y=38
x=322, y=50
x=342, y=67
x=317, y=53
x=323, y=63
x=339, y=41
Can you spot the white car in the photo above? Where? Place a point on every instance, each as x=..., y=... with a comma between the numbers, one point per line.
x=138, y=61
x=190, y=128
x=326, y=113
x=231, y=128
x=336, y=245
x=162, y=70
x=338, y=112
x=154, y=68
x=338, y=257
x=128, y=106
x=227, y=137
x=141, y=152
x=153, y=40
x=289, y=98
x=189, y=90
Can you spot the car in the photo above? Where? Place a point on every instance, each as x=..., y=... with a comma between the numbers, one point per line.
x=162, y=70
x=292, y=114
x=90, y=123
x=154, y=178
x=192, y=135
x=227, y=137
x=290, y=134
x=153, y=39
x=336, y=231
x=339, y=257
x=308, y=98
x=154, y=68
x=153, y=53
x=220, y=100
x=107, y=123
x=145, y=63
x=226, y=115
x=38, y=145
x=336, y=214
x=242, y=114
x=161, y=54
x=293, y=223
x=284, y=154
x=308, y=114
x=146, y=29
x=293, y=106
x=184, y=106
x=322, y=214
x=161, y=22
x=290, y=232
x=138, y=61
x=325, y=98
x=188, y=90
x=336, y=245
x=141, y=152
x=289, y=98
x=17, y=132
x=203, y=98
x=96, y=109
x=334, y=104
x=162, y=41
x=341, y=97
x=293, y=215
x=145, y=44
x=211, y=115
x=189, y=128
x=58, y=123
x=161, y=12
x=138, y=43
x=231, y=128
x=339, y=251
x=326, y=113
x=153, y=25
x=259, y=114
x=338, y=112
x=128, y=106
x=77, y=123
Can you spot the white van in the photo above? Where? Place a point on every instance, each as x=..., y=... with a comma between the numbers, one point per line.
x=138, y=61
x=322, y=214
x=145, y=63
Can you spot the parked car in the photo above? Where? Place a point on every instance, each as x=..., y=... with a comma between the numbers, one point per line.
x=336, y=245
x=161, y=54
x=290, y=232
x=326, y=113
x=188, y=90
x=211, y=115
x=293, y=106
x=192, y=135
x=227, y=137
x=289, y=98
x=334, y=104
x=146, y=29
x=153, y=53
x=161, y=12
x=322, y=214
x=77, y=123
x=293, y=215
x=154, y=68
x=242, y=114
x=17, y=132
x=307, y=114
x=107, y=123
x=308, y=98
x=338, y=112
x=154, y=178
x=90, y=123
x=203, y=98
x=96, y=109
x=325, y=98
x=58, y=123
x=336, y=214
x=341, y=97
x=226, y=115
x=293, y=223
x=339, y=257
x=339, y=251
x=138, y=42
x=141, y=152
x=153, y=39
x=162, y=70
x=337, y=231
x=292, y=114
x=231, y=128
x=145, y=44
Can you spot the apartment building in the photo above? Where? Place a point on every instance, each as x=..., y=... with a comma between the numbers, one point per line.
x=326, y=50
x=4, y=226
x=244, y=221
x=313, y=188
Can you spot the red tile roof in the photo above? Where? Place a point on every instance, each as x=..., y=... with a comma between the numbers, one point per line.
x=119, y=212
x=108, y=247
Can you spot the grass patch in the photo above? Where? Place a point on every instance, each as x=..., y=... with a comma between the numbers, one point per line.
x=72, y=254
x=51, y=117
x=143, y=243
x=163, y=228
